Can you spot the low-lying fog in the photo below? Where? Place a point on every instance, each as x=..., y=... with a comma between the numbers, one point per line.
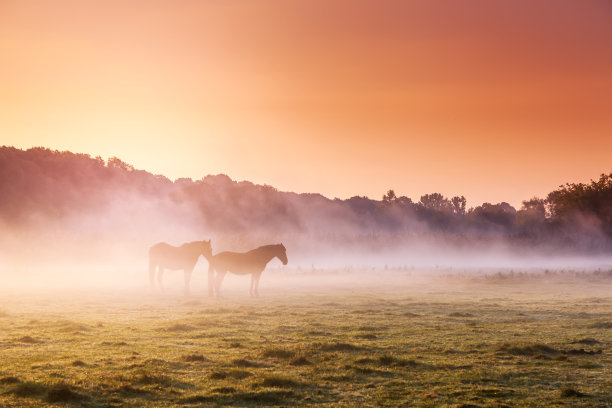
x=69, y=219
x=123, y=264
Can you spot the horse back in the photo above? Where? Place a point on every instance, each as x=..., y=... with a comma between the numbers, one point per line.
x=237, y=262
x=170, y=257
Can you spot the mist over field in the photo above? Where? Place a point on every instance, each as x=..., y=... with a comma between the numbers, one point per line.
x=472, y=269
x=71, y=214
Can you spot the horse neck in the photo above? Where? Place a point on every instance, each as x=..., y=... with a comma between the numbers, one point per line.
x=193, y=250
x=268, y=253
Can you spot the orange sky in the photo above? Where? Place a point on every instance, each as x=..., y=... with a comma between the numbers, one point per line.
x=495, y=100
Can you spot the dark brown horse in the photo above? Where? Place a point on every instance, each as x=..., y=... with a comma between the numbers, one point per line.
x=252, y=262
x=185, y=257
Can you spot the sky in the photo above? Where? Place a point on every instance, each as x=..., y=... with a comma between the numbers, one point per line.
x=493, y=100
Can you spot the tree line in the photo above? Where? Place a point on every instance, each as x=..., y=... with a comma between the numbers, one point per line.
x=39, y=185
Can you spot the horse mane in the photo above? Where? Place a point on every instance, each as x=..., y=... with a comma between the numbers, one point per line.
x=190, y=244
x=265, y=248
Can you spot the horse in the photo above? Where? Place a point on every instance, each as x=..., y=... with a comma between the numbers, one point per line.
x=253, y=262
x=184, y=257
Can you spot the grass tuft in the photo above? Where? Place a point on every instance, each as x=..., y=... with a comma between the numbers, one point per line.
x=28, y=389
x=196, y=399
x=62, y=393
x=73, y=327
x=365, y=360
x=265, y=397
x=190, y=358
x=235, y=374
x=278, y=353
x=601, y=325
x=28, y=339
x=370, y=328
x=128, y=390
x=338, y=346
x=114, y=343
x=300, y=361
x=224, y=390
x=280, y=381
x=154, y=379
x=241, y=362
x=583, y=352
x=589, y=341
x=568, y=392
x=387, y=360
x=534, y=349
x=459, y=314
x=362, y=370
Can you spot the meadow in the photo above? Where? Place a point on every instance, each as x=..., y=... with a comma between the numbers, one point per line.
x=500, y=339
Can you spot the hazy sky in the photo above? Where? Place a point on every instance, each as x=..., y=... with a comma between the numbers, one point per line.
x=495, y=100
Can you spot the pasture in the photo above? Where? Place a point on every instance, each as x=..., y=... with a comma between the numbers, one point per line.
x=501, y=340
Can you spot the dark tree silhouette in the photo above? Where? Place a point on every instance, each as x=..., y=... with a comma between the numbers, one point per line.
x=436, y=201
x=572, y=202
x=458, y=204
x=43, y=188
x=389, y=197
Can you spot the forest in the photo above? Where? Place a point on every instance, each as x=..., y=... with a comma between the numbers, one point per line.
x=71, y=194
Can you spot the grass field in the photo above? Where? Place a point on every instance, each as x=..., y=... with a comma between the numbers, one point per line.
x=499, y=340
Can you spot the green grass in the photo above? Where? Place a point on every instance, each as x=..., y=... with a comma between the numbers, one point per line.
x=443, y=343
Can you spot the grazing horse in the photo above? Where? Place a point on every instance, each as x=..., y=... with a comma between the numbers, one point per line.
x=185, y=257
x=252, y=262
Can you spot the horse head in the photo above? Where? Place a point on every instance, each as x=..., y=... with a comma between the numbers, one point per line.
x=282, y=254
x=206, y=249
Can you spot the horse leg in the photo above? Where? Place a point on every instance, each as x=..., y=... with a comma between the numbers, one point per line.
x=152, y=272
x=220, y=276
x=256, y=277
x=187, y=273
x=211, y=280
x=160, y=275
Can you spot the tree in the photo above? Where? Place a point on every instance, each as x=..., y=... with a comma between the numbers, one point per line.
x=572, y=202
x=404, y=201
x=532, y=215
x=117, y=163
x=389, y=197
x=436, y=201
x=458, y=204
x=502, y=214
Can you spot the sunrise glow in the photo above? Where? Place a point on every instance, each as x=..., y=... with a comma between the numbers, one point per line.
x=498, y=101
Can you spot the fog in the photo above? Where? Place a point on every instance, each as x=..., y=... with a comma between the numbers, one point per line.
x=109, y=250
x=71, y=220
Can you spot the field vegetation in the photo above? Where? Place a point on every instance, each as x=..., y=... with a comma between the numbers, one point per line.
x=463, y=340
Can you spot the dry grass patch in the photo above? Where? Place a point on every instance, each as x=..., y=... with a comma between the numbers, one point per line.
x=235, y=374
x=339, y=346
x=279, y=353
x=193, y=358
x=280, y=381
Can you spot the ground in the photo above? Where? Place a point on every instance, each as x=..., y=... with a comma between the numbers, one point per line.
x=499, y=339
